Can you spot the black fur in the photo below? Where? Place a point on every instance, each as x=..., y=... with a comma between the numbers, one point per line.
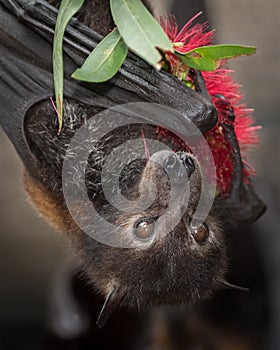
x=172, y=270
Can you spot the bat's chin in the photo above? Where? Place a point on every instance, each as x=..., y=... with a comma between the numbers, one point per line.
x=184, y=266
x=167, y=295
x=168, y=273
x=159, y=286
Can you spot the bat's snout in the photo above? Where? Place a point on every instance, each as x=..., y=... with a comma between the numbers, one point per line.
x=178, y=165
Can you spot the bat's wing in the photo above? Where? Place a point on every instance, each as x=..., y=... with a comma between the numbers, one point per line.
x=26, y=35
x=26, y=78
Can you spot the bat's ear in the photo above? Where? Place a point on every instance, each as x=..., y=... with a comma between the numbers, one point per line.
x=244, y=207
x=44, y=155
x=43, y=143
x=252, y=206
x=46, y=148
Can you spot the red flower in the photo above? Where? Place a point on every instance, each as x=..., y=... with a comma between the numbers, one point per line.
x=218, y=82
x=190, y=36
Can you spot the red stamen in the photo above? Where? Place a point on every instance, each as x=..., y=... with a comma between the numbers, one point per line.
x=219, y=82
x=54, y=106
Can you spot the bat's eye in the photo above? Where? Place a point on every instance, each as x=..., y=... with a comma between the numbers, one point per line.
x=200, y=233
x=144, y=228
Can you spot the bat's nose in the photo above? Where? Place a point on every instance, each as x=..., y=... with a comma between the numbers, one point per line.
x=178, y=164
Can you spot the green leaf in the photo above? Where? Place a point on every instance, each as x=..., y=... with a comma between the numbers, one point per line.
x=67, y=10
x=208, y=57
x=206, y=63
x=141, y=32
x=221, y=52
x=104, y=61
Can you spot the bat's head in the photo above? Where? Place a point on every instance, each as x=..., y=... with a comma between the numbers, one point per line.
x=162, y=256
x=172, y=259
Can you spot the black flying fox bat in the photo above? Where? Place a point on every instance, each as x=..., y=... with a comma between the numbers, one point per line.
x=182, y=266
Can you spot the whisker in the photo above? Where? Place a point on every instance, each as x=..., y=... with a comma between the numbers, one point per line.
x=233, y=286
x=112, y=302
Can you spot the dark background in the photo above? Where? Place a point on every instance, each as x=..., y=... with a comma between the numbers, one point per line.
x=30, y=252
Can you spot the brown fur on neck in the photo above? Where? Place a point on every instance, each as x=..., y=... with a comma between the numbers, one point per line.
x=49, y=204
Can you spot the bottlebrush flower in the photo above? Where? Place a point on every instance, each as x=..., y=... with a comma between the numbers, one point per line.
x=218, y=82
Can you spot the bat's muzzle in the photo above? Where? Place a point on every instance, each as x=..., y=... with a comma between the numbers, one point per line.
x=178, y=164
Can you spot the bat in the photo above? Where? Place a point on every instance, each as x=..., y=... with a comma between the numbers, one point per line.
x=180, y=267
